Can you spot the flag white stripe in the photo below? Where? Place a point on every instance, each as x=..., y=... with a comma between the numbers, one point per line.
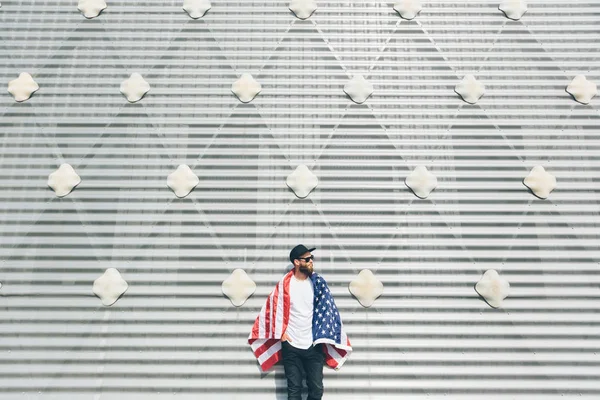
x=333, y=353
x=343, y=337
x=261, y=322
x=270, y=351
x=257, y=343
x=279, y=313
x=271, y=322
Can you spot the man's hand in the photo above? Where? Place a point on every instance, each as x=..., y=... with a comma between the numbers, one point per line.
x=285, y=338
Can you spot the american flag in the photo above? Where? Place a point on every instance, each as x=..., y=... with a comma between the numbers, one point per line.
x=271, y=323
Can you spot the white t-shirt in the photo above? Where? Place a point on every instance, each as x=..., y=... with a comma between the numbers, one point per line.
x=301, y=313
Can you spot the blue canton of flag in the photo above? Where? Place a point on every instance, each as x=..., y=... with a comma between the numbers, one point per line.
x=327, y=325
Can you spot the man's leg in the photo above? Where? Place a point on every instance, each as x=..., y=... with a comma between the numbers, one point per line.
x=313, y=365
x=292, y=365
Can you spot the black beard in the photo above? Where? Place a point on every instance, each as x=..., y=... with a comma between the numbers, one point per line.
x=305, y=271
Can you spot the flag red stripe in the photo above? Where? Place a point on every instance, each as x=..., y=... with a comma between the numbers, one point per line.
x=255, y=328
x=274, y=359
x=275, y=302
x=329, y=360
x=258, y=352
x=286, y=300
x=268, y=318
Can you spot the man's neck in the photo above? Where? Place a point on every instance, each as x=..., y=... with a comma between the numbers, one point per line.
x=300, y=275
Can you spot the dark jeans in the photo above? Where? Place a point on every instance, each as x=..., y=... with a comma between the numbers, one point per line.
x=310, y=361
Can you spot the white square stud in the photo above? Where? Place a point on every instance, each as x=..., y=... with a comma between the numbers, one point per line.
x=408, y=9
x=91, y=8
x=582, y=90
x=303, y=8
x=470, y=89
x=513, y=9
x=110, y=286
x=135, y=87
x=63, y=180
x=196, y=8
x=493, y=288
x=238, y=287
x=359, y=89
x=540, y=182
x=421, y=181
x=366, y=288
x=302, y=181
x=182, y=181
x=23, y=87
x=246, y=88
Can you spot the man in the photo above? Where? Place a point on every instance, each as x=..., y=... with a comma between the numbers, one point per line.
x=300, y=324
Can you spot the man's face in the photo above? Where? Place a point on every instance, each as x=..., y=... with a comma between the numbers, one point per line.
x=306, y=267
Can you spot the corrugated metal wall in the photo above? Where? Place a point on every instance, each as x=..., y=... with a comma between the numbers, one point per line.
x=173, y=334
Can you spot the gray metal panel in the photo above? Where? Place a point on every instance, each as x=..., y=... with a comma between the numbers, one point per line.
x=173, y=334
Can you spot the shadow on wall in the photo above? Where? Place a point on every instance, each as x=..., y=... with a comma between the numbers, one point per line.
x=280, y=384
x=287, y=268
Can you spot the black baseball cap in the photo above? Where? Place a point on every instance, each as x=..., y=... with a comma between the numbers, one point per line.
x=298, y=251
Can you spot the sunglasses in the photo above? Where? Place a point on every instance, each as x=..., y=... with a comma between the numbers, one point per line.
x=307, y=259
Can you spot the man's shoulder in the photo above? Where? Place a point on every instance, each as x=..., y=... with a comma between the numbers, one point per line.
x=318, y=279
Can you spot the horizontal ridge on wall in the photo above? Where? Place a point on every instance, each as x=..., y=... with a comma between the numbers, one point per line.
x=174, y=334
